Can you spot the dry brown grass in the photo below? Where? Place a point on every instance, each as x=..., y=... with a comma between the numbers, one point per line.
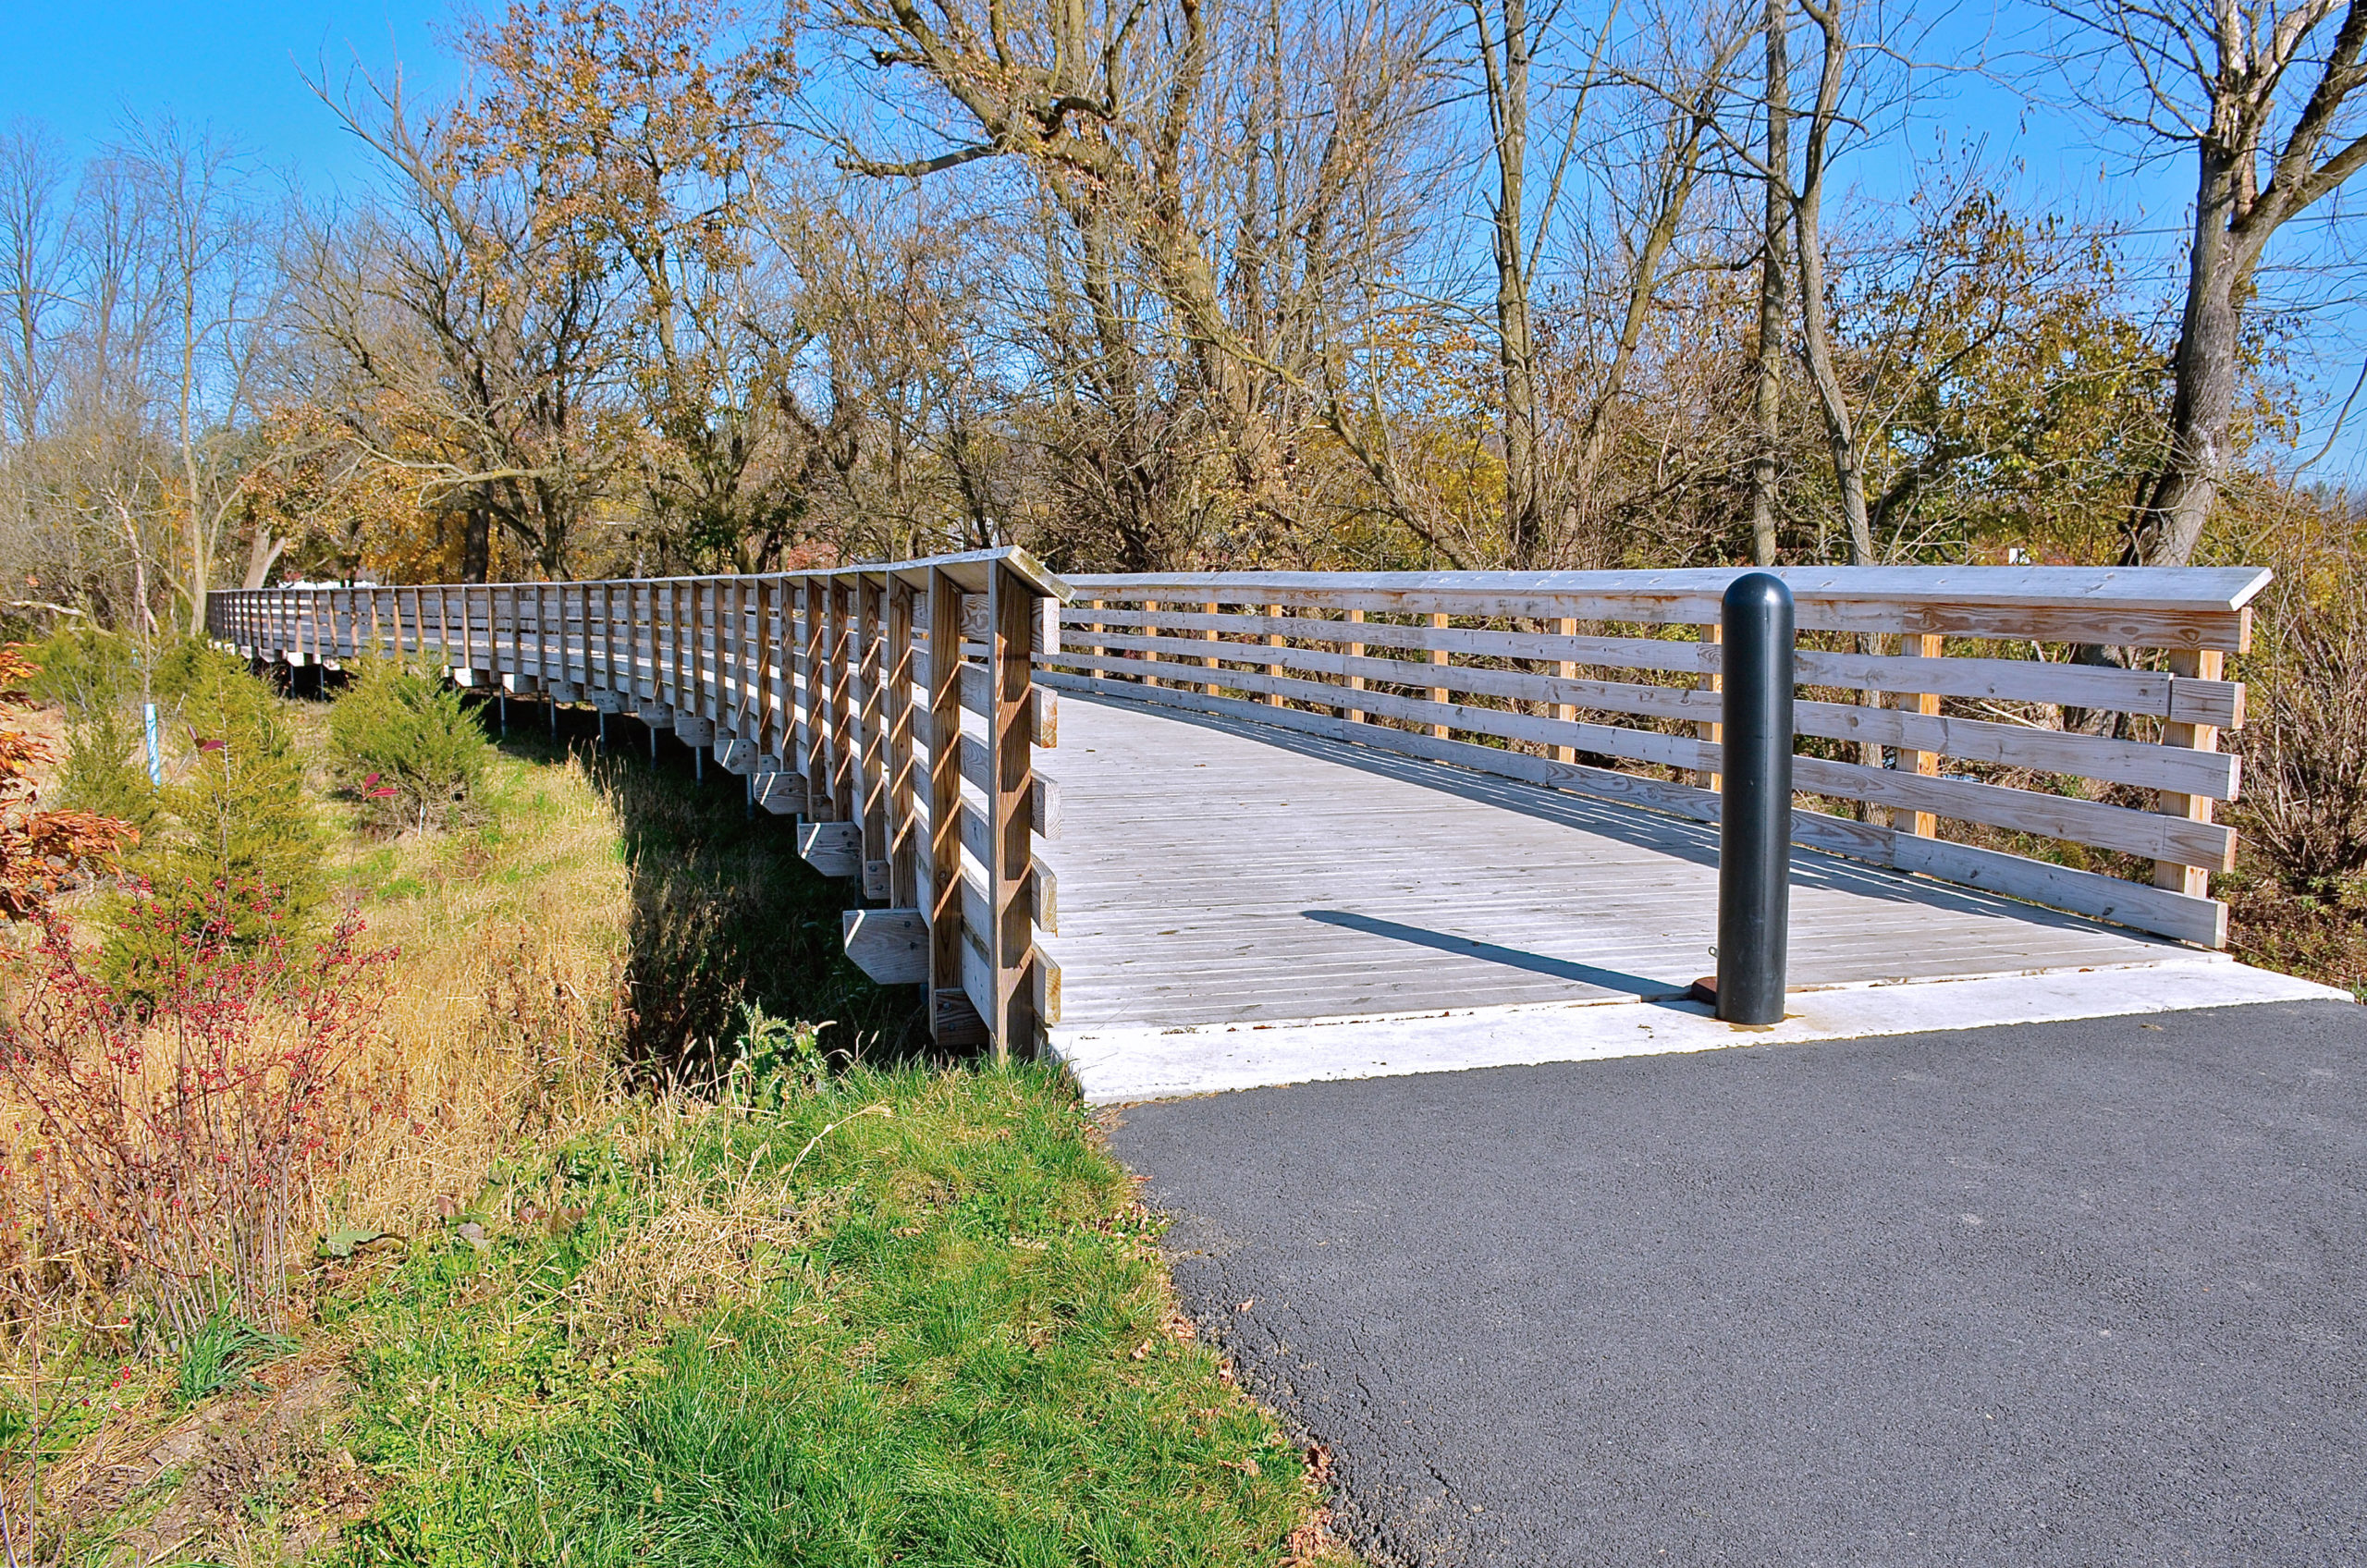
x=506, y=1006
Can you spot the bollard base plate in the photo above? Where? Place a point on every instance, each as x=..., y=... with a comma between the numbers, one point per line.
x=1705, y=990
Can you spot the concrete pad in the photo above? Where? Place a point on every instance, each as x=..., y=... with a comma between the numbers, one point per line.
x=1125, y=1065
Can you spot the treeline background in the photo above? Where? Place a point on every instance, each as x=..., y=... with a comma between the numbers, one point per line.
x=1149, y=284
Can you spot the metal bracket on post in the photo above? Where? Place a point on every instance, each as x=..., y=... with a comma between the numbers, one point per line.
x=1755, y=818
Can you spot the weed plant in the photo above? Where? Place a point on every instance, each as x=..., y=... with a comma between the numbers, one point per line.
x=218, y=1356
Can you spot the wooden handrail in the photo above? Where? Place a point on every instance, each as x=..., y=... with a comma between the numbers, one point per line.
x=834, y=692
x=1488, y=670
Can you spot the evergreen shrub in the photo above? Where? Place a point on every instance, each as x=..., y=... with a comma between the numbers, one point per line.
x=242, y=835
x=408, y=748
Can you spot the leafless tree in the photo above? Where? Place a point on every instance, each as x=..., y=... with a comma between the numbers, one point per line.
x=2267, y=97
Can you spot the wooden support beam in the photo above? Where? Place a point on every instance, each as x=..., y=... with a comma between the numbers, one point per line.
x=816, y=665
x=889, y=945
x=904, y=828
x=954, y=1024
x=780, y=791
x=834, y=848
x=871, y=627
x=843, y=701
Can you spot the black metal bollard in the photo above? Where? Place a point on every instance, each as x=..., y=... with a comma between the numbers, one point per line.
x=1755, y=824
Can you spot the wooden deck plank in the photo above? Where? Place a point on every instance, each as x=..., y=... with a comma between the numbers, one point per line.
x=1215, y=871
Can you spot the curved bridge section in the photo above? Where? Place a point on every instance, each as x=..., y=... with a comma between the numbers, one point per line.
x=1454, y=809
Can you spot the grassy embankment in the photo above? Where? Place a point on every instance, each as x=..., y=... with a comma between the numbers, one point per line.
x=886, y=1311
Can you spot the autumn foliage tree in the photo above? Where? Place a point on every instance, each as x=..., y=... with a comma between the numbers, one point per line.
x=42, y=852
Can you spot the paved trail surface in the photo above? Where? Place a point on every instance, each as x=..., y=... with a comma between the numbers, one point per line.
x=2088, y=1292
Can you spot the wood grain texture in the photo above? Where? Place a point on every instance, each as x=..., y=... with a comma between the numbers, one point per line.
x=1349, y=882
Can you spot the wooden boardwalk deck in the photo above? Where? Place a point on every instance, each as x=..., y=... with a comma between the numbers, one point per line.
x=1214, y=870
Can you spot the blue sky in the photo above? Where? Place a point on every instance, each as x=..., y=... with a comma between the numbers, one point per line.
x=81, y=67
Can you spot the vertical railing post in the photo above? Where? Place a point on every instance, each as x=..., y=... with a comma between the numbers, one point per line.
x=817, y=661
x=951, y=1019
x=843, y=701
x=766, y=654
x=872, y=808
x=2189, y=664
x=1711, y=680
x=1922, y=824
x=1565, y=669
x=903, y=876
x=1755, y=816
x=1274, y=671
x=1438, y=694
x=1354, y=682
x=1011, y=764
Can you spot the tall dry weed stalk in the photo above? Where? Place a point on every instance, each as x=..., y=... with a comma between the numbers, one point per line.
x=171, y=1139
x=2305, y=779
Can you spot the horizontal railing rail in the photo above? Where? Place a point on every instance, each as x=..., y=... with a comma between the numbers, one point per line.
x=831, y=690
x=1574, y=679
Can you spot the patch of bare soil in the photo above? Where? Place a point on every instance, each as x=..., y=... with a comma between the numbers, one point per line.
x=255, y=1476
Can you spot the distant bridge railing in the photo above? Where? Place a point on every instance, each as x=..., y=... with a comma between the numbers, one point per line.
x=1558, y=678
x=829, y=692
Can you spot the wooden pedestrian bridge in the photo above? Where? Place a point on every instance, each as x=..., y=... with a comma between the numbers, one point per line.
x=1309, y=824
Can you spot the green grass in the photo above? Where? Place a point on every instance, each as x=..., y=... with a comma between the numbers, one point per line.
x=219, y=1355
x=958, y=1353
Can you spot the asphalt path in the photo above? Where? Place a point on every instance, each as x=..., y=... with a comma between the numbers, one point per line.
x=2090, y=1292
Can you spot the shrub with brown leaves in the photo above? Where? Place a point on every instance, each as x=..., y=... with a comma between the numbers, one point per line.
x=42, y=852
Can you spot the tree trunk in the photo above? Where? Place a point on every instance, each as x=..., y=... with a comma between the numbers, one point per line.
x=477, y=545
x=1516, y=337
x=1767, y=390
x=2167, y=523
x=1816, y=335
x=262, y=553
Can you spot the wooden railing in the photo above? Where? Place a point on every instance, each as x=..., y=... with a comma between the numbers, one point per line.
x=829, y=691
x=1527, y=674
